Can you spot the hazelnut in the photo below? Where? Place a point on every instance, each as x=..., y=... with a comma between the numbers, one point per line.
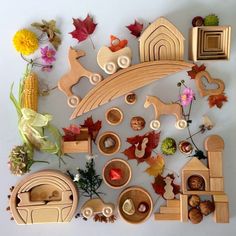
x=137, y=123
x=143, y=207
x=195, y=215
x=196, y=182
x=207, y=207
x=194, y=201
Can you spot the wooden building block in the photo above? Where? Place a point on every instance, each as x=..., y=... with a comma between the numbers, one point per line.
x=183, y=208
x=217, y=184
x=221, y=213
x=164, y=209
x=220, y=198
x=170, y=216
x=173, y=203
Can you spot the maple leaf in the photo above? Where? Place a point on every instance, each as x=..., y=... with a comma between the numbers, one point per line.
x=83, y=29
x=217, y=100
x=195, y=69
x=93, y=128
x=135, y=29
x=71, y=133
x=136, y=143
x=157, y=166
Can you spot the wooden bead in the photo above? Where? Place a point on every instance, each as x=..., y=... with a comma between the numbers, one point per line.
x=195, y=215
x=137, y=123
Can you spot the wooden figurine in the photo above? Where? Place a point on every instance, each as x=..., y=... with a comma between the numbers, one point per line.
x=161, y=40
x=44, y=197
x=127, y=80
x=96, y=206
x=202, y=88
x=76, y=72
x=169, y=190
x=139, y=153
x=210, y=43
x=114, y=116
x=110, y=61
x=165, y=109
x=83, y=143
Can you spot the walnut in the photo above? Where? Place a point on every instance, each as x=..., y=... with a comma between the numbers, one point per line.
x=207, y=207
x=137, y=123
x=195, y=215
x=196, y=182
x=194, y=201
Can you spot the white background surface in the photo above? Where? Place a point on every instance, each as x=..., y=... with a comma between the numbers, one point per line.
x=112, y=17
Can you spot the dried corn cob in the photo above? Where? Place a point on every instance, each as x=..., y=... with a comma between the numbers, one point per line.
x=30, y=92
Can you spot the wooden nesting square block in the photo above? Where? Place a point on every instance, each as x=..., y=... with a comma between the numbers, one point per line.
x=209, y=43
x=221, y=213
x=217, y=184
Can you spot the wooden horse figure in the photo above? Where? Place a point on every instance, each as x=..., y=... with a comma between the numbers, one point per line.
x=73, y=76
x=165, y=109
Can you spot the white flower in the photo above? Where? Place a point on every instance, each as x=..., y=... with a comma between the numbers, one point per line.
x=89, y=157
x=76, y=178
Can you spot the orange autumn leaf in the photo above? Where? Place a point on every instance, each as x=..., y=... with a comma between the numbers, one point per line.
x=195, y=69
x=217, y=100
x=157, y=166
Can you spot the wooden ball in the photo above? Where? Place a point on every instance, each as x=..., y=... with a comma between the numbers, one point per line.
x=207, y=207
x=137, y=123
x=194, y=201
x=196, y=182
x=195, y=215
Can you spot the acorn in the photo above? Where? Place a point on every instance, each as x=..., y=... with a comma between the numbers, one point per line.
x=197, y=21
x=194, y=201
x=137, y=123
x=195, y=215
x=207, y=207
x=196, y=182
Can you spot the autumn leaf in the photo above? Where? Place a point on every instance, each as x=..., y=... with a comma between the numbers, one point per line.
x=83, y=28
x=93, y=128
x=217, y=100
x=157, y=165
x=71, y=133
x=117, y=44
x=195, y=69
x=137, y=144
x=135, y=29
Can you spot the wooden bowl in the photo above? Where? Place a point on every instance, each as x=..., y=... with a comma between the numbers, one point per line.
x=110, y=150
x=137, y=195
x=125, y=173
x=114, y=116
x=130, y=98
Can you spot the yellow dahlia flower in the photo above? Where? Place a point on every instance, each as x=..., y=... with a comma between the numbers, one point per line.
x=25, y=41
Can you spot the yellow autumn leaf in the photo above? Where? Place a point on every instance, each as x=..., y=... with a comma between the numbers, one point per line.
x=157, y=166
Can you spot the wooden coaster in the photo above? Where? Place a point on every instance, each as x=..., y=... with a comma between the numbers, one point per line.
x=121, y=165
x=114, y=116
x=137, y=195
x=104, y=143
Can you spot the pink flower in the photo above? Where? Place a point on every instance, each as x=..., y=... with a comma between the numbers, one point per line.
x=186, y=97
x=48, y=55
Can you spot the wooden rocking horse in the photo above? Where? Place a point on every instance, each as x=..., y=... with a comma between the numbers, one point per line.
x=165, y=109
x=76, y=72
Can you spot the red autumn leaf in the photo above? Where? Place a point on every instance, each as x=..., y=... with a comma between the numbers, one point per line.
x=137, y=145
x=117, y=44
x=217, y=100
x=195, y=69
x=136, y=28
x=93, y=128
x=83, y=28
x=71, y=133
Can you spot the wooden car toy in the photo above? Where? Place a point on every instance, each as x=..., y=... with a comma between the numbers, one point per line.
x=95, y=206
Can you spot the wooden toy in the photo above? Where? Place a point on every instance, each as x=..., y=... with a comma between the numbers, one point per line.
x=44, y=197
x=210, y=43
x=137, y=195
x=109, y=143
x=76, y=72
x=82, y=145
x=169, y=190
x=183, y=208
x=202, y=88
x=125, y=173
x=139, y=153
x=161, y=41
x=95, y=206
x=221, y=213
x=114, y=116
x=126, y=80
x=165, y=109
x=110, y=61
x=130, y=98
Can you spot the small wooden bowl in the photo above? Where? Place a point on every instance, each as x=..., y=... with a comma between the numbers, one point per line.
x=125, y=172
x=111, y=150
x=130, y=98
x=114, y=116
x=137, y=195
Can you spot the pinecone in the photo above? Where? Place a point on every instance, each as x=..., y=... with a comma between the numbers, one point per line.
x=20, y=160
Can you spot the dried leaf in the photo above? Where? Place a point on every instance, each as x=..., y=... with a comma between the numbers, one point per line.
x=135, y=29
x=217, y=100
x=71, y=133
x=157, y=166
x=195, y=69
x=93, y=128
